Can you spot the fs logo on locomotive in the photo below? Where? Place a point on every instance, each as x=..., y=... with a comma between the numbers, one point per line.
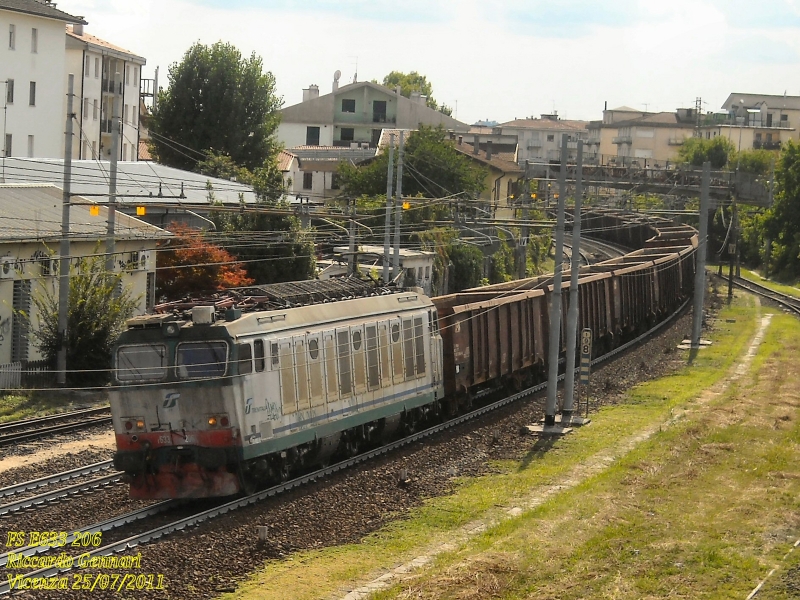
x=171, y=399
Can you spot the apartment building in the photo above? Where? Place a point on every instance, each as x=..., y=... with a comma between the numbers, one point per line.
x=539, y=140
x=755, y=121
x=32, y=58
x=104, y=74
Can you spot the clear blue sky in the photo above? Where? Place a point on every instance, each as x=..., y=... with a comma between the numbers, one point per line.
x=500, y=60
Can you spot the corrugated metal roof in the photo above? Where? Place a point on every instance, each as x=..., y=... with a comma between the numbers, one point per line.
x=33, y=213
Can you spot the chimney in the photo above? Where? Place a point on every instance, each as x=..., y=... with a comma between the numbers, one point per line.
x=605, y=105
x=77, y=28
x=311, y=93
x=460, y=139
x=476, y=148
x=489, y=150
x=415, y=96
x=397, y=90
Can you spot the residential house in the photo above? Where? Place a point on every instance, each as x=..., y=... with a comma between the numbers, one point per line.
x=29, y=243
x=317, y=166
x=602, y=133
x=104, y=74
x=539, y=140
x=32, y=59
x=503, y=171
x=755, y=121
x=354, y=115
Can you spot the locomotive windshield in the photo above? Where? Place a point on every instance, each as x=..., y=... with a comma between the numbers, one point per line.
x=201, y=359
x=142, y=362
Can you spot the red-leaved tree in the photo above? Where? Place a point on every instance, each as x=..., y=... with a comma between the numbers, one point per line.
x=189, y=265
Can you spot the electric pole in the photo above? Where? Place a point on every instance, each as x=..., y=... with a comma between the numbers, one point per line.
x=112, y=180
x=63, y=266
x=388, y=231
x=398, y=213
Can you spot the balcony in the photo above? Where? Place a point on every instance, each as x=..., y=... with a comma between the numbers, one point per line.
x=533, y=144
x=676, y=141
x=107, y=85
x=622, y=139
x=593, y=142
x=352, y=144
x=768, y=145
x=362, y=118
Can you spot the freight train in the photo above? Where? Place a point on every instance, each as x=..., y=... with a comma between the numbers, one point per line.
x=213, y=398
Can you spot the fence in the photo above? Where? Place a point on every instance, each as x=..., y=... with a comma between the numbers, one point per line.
x=27, y=374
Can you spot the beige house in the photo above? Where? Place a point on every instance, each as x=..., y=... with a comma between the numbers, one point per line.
x=503, y=174
x=354, y=115
x=29, y=244
x=755, y=121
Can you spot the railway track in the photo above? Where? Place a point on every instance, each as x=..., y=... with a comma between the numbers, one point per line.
x=60, y=493
x=154, y=533
x=25, y=430
x=788, y=302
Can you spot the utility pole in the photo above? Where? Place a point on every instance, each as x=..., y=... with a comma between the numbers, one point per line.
x=352, y=260
x=522, y=250
x=112, y=180
x=388, y=230
x=398, y=213
x=700, y=263
x=572, y=315
x=63, y=266
x=555, y=297
x=732, y=252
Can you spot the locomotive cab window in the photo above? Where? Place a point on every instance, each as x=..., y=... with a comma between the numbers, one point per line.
x=142, y=362
x=245, y=363
x=258, y=350
x=273, y=350
x=202, y=359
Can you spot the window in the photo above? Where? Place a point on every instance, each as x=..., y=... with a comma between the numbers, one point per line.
x=245, y=359
x=373, y=373
x=124, y=151
x=273, y=349
x=10, y=91
x=134, y=115
x=94, y=110
x=427, y=272
x=345, y=380
x=313, y=349
x=348, y=105
x=34, y=40
x=348, y=134
x=94, y=150
x=127, y=75
x=308, y=180
x=8, y=144
x=136, y=76
x=85, y=108
x=30, y=146
x=86, y=66
x=334, y=181
x=419, y=345
x=12, y=37
x=125, y=114
x=32, y=95
x=551, y=137
x=201, y=359
x=142, y=362
x=408, y=348
x=96, y=68
x=312, y=136
x=258, y=351
x=356, y=340
x=419, y=274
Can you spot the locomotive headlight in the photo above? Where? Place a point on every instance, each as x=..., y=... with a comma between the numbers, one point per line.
x=128, y=425
x=212, y=421
x=140, y=424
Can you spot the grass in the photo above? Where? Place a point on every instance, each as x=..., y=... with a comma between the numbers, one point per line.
x=699, y=509
x=15, y=407
x=791, y=290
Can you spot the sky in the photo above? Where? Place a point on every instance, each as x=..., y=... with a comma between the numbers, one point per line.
x=488, y=60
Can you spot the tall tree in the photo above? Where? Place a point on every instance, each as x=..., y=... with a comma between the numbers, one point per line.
x=216, y=100
x=414, y=82
x=782, y=222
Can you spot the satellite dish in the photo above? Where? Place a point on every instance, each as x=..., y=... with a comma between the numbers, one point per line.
x=336, y=75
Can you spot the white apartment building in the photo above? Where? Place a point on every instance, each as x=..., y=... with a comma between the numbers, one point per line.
x=32, y=53
x=96, y=64
x=539, y=140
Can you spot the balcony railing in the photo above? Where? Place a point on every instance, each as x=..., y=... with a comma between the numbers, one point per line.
x=383, y=118
x=363, y=118
x=532, y=144
x=676, y=141
x=107, y=85
x=761, y=145
x=623, y=139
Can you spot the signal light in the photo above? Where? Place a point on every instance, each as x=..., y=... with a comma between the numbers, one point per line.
x=212, y=421
x=406, y=205
x=141, y=211
x=94, y=210
x=128, y=425
x=224, y=421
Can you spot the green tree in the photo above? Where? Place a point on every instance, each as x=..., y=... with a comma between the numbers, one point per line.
x=266, y=180
x=467, y=269
x=216, y=100
x=782, y=221
x=433, y=169
x=273, y=246
x=414, y=82
x=96, y=316
x=719, y=151
x=758, y=162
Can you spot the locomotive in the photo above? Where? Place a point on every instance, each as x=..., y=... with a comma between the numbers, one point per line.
x=220, y=397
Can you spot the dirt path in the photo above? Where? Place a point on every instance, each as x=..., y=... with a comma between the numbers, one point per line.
x=104, y=440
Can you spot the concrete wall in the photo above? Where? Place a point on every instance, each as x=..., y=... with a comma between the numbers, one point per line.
x=294, y=134
x=45, y=120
